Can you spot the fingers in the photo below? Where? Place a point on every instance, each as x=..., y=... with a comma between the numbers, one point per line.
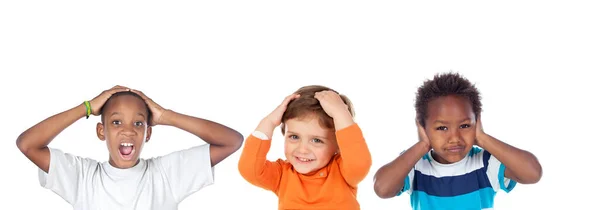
x=116, y=90
x=323, y=94
x=140, y=94
x=478, y=123
x=419, y=126
x=420, y=129
x=118, y=86
x=328, y=95
x=289, y=98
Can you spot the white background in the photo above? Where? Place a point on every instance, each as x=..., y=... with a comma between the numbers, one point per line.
x=234, y=61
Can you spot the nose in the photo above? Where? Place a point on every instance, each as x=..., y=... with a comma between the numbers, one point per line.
x=128, y=130
x=303, y=147
x=455, y=136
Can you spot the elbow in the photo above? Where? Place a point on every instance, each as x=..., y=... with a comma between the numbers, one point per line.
x=535, y=176
x=245, y=168
x=364, y=165
x=383, y=190
x=246, y=172
x=237, y=142
x=23, y=147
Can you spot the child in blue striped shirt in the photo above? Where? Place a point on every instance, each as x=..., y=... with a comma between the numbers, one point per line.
x=455, y=164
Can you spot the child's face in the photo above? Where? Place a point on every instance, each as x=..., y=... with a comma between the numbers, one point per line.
x=308, y=146
x=450, y=126
x=125, y=130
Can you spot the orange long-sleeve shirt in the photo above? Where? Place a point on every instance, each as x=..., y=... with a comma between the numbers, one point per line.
x=331, y=187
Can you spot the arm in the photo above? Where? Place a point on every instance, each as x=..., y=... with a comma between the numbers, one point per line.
x=253, y=164
x=521, y=166
x=355, y=160
x=223, y=140
x=33, y=143
x=389, y=179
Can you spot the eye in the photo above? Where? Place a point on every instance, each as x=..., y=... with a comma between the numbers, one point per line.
x=465, y=126
x=442, y=128
x=294, y=137
x=139, y=124
x=317, y=141
x=116, y=122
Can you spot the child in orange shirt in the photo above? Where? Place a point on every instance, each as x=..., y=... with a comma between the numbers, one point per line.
x=326, y=153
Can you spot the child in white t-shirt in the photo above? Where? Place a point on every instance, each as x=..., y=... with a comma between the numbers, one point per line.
x=125, y=181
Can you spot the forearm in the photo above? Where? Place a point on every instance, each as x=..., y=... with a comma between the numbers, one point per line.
x=521, y=165
x=343, y=120
x=266, y=127
x=212, y=133
x=389, y=179
x=41, y=134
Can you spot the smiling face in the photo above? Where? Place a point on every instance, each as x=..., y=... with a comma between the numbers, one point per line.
x=125, y=129
x=308, y=146
x=450, y=126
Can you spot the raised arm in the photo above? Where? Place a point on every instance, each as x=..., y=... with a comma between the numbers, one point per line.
x=355, y=156
x=33, y=142
x=223, y=140
x=389, y=179
x=521, y=165
x=253, y=164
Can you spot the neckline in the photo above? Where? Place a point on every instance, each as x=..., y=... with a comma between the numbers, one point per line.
x=111, y=170
x=435, y=162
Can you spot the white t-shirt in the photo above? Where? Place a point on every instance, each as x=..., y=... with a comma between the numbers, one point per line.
x=157, y=183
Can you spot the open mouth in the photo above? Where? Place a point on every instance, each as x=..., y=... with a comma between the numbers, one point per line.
x=126, y=151
x=304, y=160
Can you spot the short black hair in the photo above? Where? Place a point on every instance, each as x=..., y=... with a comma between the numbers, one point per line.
x=126, y=93
x=446, y=84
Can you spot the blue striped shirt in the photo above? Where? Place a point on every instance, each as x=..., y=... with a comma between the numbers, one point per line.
x=471, y=183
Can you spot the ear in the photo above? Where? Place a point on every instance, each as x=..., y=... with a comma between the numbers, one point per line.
x=148, y=133
x=100, y=131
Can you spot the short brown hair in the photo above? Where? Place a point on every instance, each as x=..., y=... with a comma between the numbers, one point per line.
x=307, y=105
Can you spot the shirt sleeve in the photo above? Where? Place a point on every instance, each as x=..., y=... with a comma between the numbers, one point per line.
x=254, y=166
x=355, y=161
x=408, y=181
x=66, y=174
x=187, y=171
x=495, y=173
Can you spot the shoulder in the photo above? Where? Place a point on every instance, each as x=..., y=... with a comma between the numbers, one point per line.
x=424, y=162
x=60, y=157
x=480, y=156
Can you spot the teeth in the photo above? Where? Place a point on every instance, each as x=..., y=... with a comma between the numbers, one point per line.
x=304, y=159
x=126, y=144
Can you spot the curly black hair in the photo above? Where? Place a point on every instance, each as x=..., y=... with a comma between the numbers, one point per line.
x=149, y=113
x=445, y=84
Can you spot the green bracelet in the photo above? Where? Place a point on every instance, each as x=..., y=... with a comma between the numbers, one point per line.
x=88, y=109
